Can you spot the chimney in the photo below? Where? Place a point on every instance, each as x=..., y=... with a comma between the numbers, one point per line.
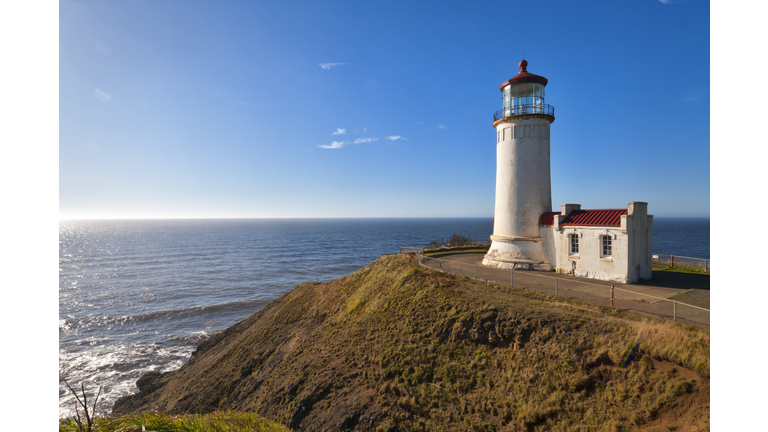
x=568, y=208
x=637, y=208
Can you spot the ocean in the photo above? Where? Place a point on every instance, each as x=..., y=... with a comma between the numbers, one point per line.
x=138, y=295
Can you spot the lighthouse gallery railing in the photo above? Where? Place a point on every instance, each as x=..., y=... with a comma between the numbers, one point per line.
x=545, y=109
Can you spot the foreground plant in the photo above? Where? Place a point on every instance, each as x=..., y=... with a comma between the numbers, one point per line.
x=89, y=414
x=155, y=422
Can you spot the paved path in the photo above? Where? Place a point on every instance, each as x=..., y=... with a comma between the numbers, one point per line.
x=663, y=284
x=647, y=297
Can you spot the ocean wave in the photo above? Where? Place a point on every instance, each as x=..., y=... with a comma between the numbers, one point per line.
x=129, y=312
x=72, y=323
x=116, y=369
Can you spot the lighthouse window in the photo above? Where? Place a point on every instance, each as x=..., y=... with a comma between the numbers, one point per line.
x=524, y=98
x=574, y=244
x=521, y=95
x=607, y=246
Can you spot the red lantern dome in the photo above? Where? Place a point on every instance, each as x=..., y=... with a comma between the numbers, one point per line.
x=524, y=76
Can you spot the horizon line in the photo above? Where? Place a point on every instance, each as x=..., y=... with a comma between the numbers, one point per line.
x=305, y=217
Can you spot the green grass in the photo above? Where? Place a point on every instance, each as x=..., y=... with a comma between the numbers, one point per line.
x=681, y=267
x=214, y=422
x=458, y=251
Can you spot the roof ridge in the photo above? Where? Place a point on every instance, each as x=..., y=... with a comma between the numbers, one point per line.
x=619, y=209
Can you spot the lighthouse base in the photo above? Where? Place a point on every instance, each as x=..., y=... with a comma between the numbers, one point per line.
x=517, y=253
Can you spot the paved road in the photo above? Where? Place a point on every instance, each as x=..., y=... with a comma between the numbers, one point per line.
x=663, y=284
x=647, y=297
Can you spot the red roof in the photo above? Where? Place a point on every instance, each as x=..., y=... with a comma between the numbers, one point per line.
x=548, y=218
x=605, y=217
x=524, y=76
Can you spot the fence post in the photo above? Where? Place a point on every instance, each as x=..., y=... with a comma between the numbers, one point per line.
x=475, y=271
x=555, y=287
x=674, y=311
x=611, y=295
x=706, y=265
x=673, y=260
x=511, y=274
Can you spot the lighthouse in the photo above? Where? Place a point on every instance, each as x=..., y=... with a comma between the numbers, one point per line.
x=523, y=183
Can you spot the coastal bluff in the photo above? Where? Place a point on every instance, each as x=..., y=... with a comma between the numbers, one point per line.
x=397, y=347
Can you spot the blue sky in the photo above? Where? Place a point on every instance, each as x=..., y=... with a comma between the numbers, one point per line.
x=170, y=132
x=235, y=109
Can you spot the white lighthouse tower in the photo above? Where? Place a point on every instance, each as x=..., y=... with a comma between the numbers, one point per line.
x=523, y=184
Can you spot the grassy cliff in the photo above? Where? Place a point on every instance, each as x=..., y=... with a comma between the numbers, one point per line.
x=395, y=346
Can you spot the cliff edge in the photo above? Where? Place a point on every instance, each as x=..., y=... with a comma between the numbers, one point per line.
x=395, y=347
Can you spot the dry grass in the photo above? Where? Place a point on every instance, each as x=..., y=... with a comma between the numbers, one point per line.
x=406, y=346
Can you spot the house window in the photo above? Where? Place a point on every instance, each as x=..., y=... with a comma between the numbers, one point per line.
x=607, y=247
x=574, y=244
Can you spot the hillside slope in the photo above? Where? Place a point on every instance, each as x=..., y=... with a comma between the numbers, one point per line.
x=397, y=347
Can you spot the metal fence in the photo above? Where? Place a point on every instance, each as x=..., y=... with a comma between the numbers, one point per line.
x=419, y=250
x=681, y=261
x=604, y=294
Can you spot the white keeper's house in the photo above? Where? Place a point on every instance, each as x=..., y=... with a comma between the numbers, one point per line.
x=606, y=244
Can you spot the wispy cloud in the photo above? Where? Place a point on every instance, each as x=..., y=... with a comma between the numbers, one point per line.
x=420, y=123
x=335, y=145
x=667, y=1
x=340, y=144
x=396, y=137
x=102, y=95
x=328, y=66
x=339, y=131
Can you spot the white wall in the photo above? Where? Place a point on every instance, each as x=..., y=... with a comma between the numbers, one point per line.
x=630, y=259
x=523, y=184
x=639, y=228
x=523, y=193
x=589, y=262
x=549, y=239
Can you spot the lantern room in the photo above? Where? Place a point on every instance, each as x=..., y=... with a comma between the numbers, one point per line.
x=524, y=94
